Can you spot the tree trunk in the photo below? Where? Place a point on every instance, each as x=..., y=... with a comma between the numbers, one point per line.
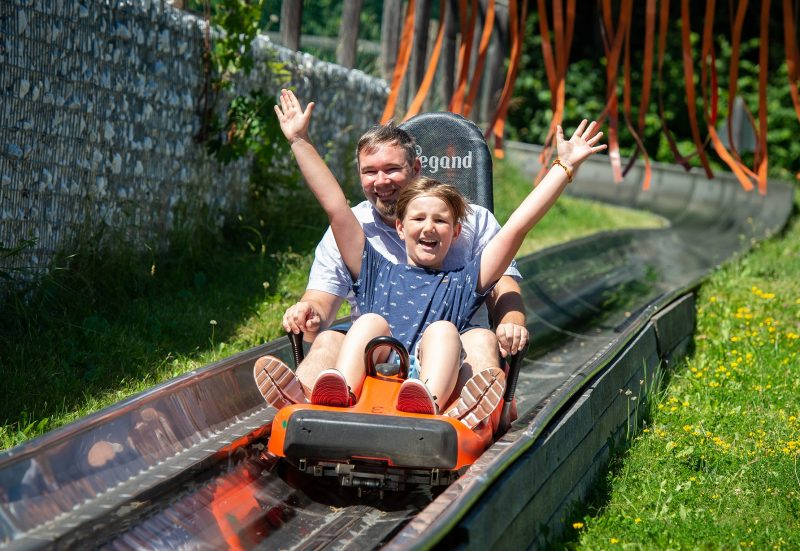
x=474, y=114
x=348, y=33
x=391, y=28
x=449, y=49
x=419, y=53
x=291, y=20
x=495, y=70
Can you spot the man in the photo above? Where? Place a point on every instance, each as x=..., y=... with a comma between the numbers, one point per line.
x=387, y=161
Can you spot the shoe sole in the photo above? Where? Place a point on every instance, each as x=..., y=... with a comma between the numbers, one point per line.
x=479, y=398
x=278, y=384
x=331, y=390
x=415, y=398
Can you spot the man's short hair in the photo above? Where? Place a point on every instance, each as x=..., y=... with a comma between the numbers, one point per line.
x=387, y=134
x=456, y=203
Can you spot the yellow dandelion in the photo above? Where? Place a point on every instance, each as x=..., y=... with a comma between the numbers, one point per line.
x=577, y=525
x=637, y=520
x=614, y=541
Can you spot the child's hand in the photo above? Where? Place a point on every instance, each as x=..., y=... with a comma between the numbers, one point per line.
x=293, y=120
x=581, y=145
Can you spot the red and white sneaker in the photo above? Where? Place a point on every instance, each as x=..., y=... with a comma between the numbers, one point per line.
x=277, y=383
x=414, y=397
x=330, y=389
x=479, y=397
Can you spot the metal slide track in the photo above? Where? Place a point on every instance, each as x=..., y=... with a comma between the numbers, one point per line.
x=179, y=466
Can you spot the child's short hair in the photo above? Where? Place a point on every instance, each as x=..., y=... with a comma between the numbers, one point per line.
x=456, y=203
x=387, y=134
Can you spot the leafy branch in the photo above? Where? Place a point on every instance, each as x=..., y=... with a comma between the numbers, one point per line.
x=248, y=123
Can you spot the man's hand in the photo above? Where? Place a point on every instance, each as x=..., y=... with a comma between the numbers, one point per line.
x=511, y=337
x=293, y=120
x=301, y=318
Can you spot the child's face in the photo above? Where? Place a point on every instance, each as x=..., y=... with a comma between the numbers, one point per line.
x=428, y=229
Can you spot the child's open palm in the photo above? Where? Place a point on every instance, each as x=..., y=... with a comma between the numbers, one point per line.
x=293, y=120
x=581, y=145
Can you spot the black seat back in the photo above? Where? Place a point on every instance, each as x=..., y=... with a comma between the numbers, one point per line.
x=452, y=150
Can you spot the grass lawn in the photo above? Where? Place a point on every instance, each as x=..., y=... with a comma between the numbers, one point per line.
x=717, y=465
x=112, y=327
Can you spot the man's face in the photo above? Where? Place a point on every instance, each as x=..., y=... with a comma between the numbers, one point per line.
x=384, y=171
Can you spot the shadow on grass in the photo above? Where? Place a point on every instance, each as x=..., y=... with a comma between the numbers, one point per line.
x=104, y=326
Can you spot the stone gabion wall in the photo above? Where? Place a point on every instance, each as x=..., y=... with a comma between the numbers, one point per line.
x=98, y=118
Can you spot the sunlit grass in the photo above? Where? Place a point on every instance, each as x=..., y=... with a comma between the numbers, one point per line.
x=717, y=466
x=101, y=333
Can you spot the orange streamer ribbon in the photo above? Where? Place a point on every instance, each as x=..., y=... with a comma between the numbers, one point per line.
x=403, y=57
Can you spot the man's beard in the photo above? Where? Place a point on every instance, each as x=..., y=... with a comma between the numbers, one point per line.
x=386, y=210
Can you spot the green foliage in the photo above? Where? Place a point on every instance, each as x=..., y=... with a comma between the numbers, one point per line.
x=231, y=52
x=250, y=128
x=531, y=113
x=249, y=125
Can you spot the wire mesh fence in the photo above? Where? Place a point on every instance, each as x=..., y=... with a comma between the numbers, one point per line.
x=98, y=118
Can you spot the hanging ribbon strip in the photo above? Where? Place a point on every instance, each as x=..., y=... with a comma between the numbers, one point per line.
x=556, y=70
x=613, y=43
x=433, y=62
x=763, y=60
x=733, y=83
x=465, y=53
x=477, y=73
x=688, y=77
x=711, y=106
x=792, y=55
x=497, y=123
x=663, y=22
x=647, y=71
x=616, y=42
x=403, y=56
x=626, y=102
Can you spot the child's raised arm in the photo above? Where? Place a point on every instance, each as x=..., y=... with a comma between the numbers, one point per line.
x=346, y=229
x=499, y=252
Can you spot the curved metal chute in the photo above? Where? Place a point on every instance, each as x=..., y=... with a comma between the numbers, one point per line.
x=179, y=465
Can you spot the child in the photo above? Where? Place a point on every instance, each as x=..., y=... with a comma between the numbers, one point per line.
x=418, y=303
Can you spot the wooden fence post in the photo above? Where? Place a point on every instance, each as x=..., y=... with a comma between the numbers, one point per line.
x=291, y=20
x=348, y=33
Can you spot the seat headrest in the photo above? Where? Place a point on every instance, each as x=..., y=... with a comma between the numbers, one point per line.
x=452, y=150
